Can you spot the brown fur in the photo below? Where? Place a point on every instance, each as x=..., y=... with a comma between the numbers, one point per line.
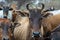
x=24, y=31
x=14, y=16
x=9, y=34
x=50, y=23
x=6, y=21
x=21, y=32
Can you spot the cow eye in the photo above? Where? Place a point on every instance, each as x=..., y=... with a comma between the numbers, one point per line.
x=31, y=20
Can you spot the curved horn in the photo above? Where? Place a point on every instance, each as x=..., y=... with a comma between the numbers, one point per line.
x=42, y=6
x=27, y=6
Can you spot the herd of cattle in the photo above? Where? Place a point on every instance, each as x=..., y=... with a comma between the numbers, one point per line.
x=36, y=24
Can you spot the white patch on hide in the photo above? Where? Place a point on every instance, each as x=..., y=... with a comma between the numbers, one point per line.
x=55, y=12
x=10, y=15
x=1, y=13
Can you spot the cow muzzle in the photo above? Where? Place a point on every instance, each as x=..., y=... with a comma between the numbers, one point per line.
x=36, y=34
x=5, y=38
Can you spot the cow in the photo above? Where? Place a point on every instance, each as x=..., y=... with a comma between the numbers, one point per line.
x=27, y=29
x=5, y=26
x=18, y=31
x=6, y=12
x=36, y=20
x=51, y=23
x=6, y=23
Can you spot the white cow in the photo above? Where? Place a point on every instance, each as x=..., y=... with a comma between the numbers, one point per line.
x=9, y=16
x=54, y=12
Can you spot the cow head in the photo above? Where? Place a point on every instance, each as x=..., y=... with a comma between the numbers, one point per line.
x=6, y=9
x=5, y=24
x=35, y=18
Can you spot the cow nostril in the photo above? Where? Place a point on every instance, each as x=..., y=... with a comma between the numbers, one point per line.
x=36, y=34
x=5, y=16
x=5, y=38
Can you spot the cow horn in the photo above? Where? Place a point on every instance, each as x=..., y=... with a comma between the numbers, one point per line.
x=42, y=6
x=27, y=6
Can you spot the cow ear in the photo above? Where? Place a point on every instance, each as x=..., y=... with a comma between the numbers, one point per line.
x=24, y=14
x=21, y=13
x=47, y=15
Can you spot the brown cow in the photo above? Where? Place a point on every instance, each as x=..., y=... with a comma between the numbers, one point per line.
x=5, y=25
x=21, y=32
x=50, y=23
x=25, y=28
x=31, y=27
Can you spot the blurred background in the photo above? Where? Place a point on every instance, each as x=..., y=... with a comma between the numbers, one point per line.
x=20, y=4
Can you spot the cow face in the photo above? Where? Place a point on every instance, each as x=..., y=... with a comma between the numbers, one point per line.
x=5, y=24
x=5, y=32
x=6, y=12
x=35, y=17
